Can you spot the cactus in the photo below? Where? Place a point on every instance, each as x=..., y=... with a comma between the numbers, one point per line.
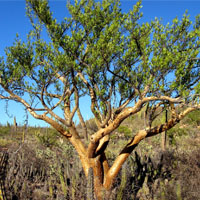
x=73, y=187
x=162, y=186
x=15, y=124
x=23, y=136
x=50, y=188
x=63, y=184
x=122, y=185
x=178, y=191
x=3, y=165
x=1, y=195
x=90, y=185
x=8, y=124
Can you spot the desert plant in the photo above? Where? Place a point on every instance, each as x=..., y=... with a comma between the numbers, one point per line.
x=91, y=125
x=48, y=138
x=3, y=170
x=101, y=53
x=125, y=130
x=4, y=130
x=184, y=181
x=194, y=118
x=24, y=172
x=176, y=132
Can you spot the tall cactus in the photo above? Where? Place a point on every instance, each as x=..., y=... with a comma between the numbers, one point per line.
x=90, y=185
x=3, y=165
x=15, y=124
x=122, y=185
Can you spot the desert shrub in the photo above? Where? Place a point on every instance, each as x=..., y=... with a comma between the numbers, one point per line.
x=5, y=142
x=189, y=174
x=141, y=176
x=125, y=130
x=175, y=132
x=48, y=138
x=185, y=178
x=34, y=172
x=193, y=117
x=24, y=173
x=91, y=125
x=4, y=130
x=50, y=174
x=113, y=136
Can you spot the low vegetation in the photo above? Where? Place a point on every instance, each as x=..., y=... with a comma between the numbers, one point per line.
x=47, y=167
x=118, y=64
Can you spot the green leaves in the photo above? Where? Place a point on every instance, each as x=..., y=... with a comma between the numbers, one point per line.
x=114, y=52
x=174, y=48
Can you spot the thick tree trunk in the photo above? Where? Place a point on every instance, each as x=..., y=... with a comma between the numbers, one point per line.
x=93, y=157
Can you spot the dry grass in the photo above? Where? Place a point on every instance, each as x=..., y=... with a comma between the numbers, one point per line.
x=46, y=169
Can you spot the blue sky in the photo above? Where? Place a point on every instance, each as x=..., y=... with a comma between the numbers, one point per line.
x=13, y=20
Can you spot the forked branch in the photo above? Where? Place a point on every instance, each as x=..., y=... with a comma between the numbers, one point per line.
x=127, y=150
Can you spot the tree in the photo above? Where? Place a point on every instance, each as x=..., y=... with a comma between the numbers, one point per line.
x=122, y=65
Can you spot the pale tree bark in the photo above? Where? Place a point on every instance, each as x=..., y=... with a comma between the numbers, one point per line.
x=93, y=156
x=80, y=52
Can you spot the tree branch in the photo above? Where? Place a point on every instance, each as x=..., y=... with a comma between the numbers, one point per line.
x=113, y=171
x=82, y=123
x=49, y=110
x=93, y=99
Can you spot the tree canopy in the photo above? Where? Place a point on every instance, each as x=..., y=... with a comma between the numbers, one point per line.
x=100, y=52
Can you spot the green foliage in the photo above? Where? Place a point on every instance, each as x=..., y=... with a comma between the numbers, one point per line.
x=91, y=125
x=142, y=176
x=113, y=136
x=5, y=142
x=4, y=130
x=175, y=132
x=116, y=53
x=122, y=185
x=48, y=139
x=125, y=130
x=194, y=117
x=101, y=52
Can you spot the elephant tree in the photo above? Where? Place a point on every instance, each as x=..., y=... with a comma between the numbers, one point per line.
x=109, y=56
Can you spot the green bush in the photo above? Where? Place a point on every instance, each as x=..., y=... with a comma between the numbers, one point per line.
x=194, y=117
x=113, y=136
x=91, y=125
x=174, y=132
x=125, y=130
x=48, y=138
x=5, y=142
x=4, y=130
